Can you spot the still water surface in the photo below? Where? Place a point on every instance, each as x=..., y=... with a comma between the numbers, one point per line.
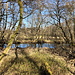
x=32, y=45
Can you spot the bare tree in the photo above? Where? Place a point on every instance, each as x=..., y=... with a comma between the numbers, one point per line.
x=13, y=36
x=60, y=14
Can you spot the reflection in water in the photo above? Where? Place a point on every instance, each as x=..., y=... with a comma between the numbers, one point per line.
x=32, y=45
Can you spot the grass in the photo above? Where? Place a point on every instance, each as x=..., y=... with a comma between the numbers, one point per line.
x=36, y=63
x=20, y=66
x=57, y=66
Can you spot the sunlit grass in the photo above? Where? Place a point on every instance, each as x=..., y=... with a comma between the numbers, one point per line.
x=31, y=64
x=57, y=66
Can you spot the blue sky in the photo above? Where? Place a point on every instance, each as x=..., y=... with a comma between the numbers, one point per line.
x=27, y=22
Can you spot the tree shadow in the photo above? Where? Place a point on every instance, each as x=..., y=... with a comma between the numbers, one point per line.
x=6, y=68
x=40, y=68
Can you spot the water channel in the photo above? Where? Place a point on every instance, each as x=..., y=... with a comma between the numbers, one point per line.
x=32, y=45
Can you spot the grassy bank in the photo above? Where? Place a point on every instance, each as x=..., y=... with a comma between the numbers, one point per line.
x=33, y=62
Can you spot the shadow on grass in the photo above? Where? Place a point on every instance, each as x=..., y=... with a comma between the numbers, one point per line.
x=6, y=68
x=41, y=70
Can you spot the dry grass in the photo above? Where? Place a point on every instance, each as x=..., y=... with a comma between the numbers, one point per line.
x=34, y=63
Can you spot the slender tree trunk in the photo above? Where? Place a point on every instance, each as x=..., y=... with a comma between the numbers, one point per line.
x=74, y=27
x=66, y=38
x=16, y=31
x=71, y=35
x=16, y=53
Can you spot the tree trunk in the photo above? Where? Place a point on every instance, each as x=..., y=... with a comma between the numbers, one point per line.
x=74, y=27
x=71, y=35
x=16, y=53
x=16, y=31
